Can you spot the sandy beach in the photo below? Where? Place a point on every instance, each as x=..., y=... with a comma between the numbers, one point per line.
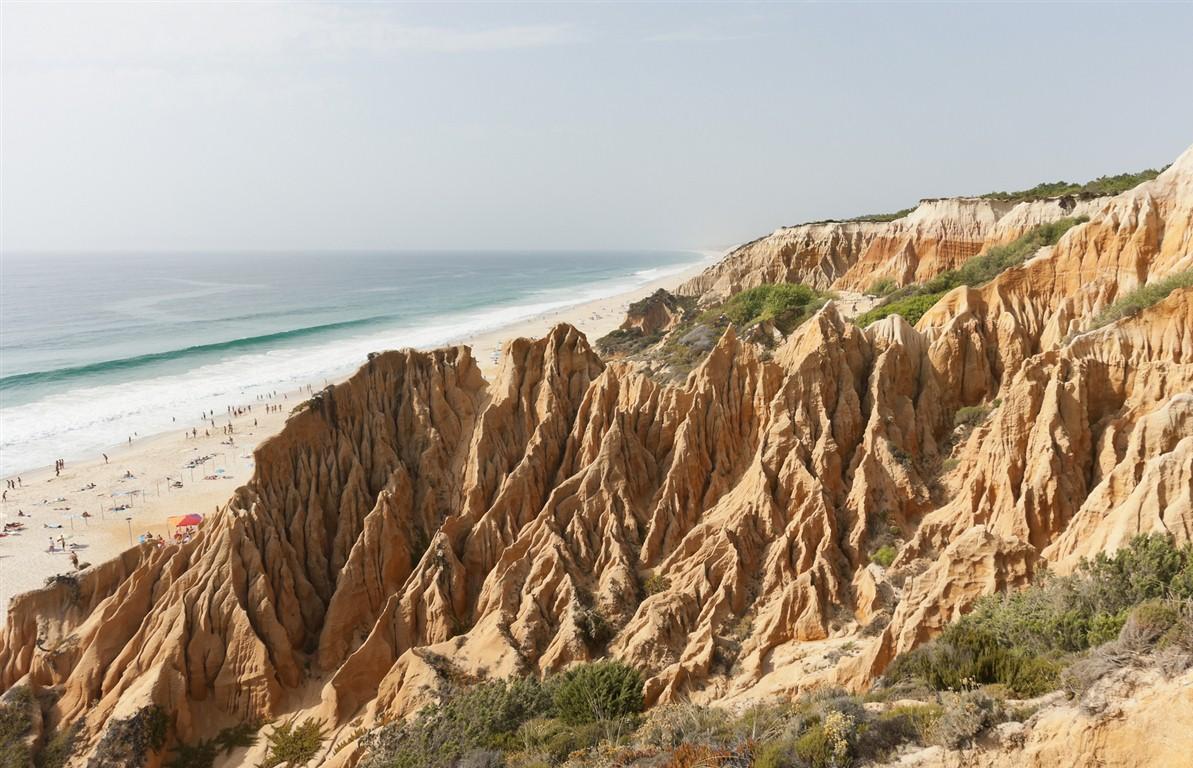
x=100, y=508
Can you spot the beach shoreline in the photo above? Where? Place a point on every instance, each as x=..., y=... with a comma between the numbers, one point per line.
x=143, y=473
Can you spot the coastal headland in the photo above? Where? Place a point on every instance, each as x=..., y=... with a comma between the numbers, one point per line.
x=144, y=483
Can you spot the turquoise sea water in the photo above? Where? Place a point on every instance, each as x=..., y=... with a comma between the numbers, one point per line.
x=95, y=347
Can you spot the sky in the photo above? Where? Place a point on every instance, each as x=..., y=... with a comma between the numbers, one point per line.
x=254, y=126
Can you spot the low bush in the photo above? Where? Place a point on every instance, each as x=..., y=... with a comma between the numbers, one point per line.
x=1141, y=298
x=881, y=217
x=59, y=747
x=626, y=341
x=655, y=583
x=963, y=716
x=882, y=287
x=971, y=415
x=670, y=725
x=912, y=302
x=294, y=745
x=16, y=722
x=987, y=265
x=784, y=304
x=1103, y=185
x=884, y=555
x=200, y=755
x=776, y=754
x=603, y=690
x=538, y=722
x=129, y=741
x=828, y=744
x=1024, y=639
x=912, y=308
x=594, y=628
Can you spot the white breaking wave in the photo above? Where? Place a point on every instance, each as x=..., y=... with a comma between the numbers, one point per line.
x=88, y=419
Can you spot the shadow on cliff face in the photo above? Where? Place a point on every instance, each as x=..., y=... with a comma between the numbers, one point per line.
x=720, y=535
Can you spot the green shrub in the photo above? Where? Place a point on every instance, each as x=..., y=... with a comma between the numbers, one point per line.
x=776, y=754
x=294, y=745
x=16, y=722
x=1103, y=185
x=1020, y=639
x=828, y=744
x=882, y=287
x=965, y=655
x=920, y=717
x=59, y=747
x=1148, y=622
x=964, y=716
x=884, y=555
x=765, y=722
x=1141, y=298
x=479, y=717
x=971, y=415
x=914, y=301
x=784, y=304
x=129, y=741
x=987, y=265
x=669, y=725
x=882, y=735
x=626, y=341
x=655, y=583
x=912, y=308
x=594, y=628
x=603, y=690
x=881, y=217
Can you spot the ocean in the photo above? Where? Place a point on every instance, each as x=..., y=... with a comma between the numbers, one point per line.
x=97, y=347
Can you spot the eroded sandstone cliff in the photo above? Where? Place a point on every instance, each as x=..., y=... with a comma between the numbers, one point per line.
x=417, y=523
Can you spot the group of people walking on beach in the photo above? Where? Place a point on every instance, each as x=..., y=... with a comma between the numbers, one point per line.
x=12, y=485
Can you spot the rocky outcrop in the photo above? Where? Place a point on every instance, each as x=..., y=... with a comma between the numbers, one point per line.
x=852, y=255
x=418, y=525
x=657, y=313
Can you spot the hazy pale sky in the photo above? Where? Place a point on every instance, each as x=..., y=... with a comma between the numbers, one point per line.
x=259, y=126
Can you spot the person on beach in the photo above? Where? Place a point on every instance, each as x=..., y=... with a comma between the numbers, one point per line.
x=105, y=457
x=74, y=560
x=51, y=543
x=62, y=542
x=5, y=498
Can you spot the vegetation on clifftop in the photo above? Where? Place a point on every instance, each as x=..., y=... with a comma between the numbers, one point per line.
x=1099, y=187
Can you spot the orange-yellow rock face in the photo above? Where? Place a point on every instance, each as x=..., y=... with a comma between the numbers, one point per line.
x=417, y=522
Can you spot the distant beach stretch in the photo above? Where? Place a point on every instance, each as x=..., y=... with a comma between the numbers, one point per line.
x=91, y=505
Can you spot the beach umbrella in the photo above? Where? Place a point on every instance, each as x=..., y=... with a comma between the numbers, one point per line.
x=185, y=520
